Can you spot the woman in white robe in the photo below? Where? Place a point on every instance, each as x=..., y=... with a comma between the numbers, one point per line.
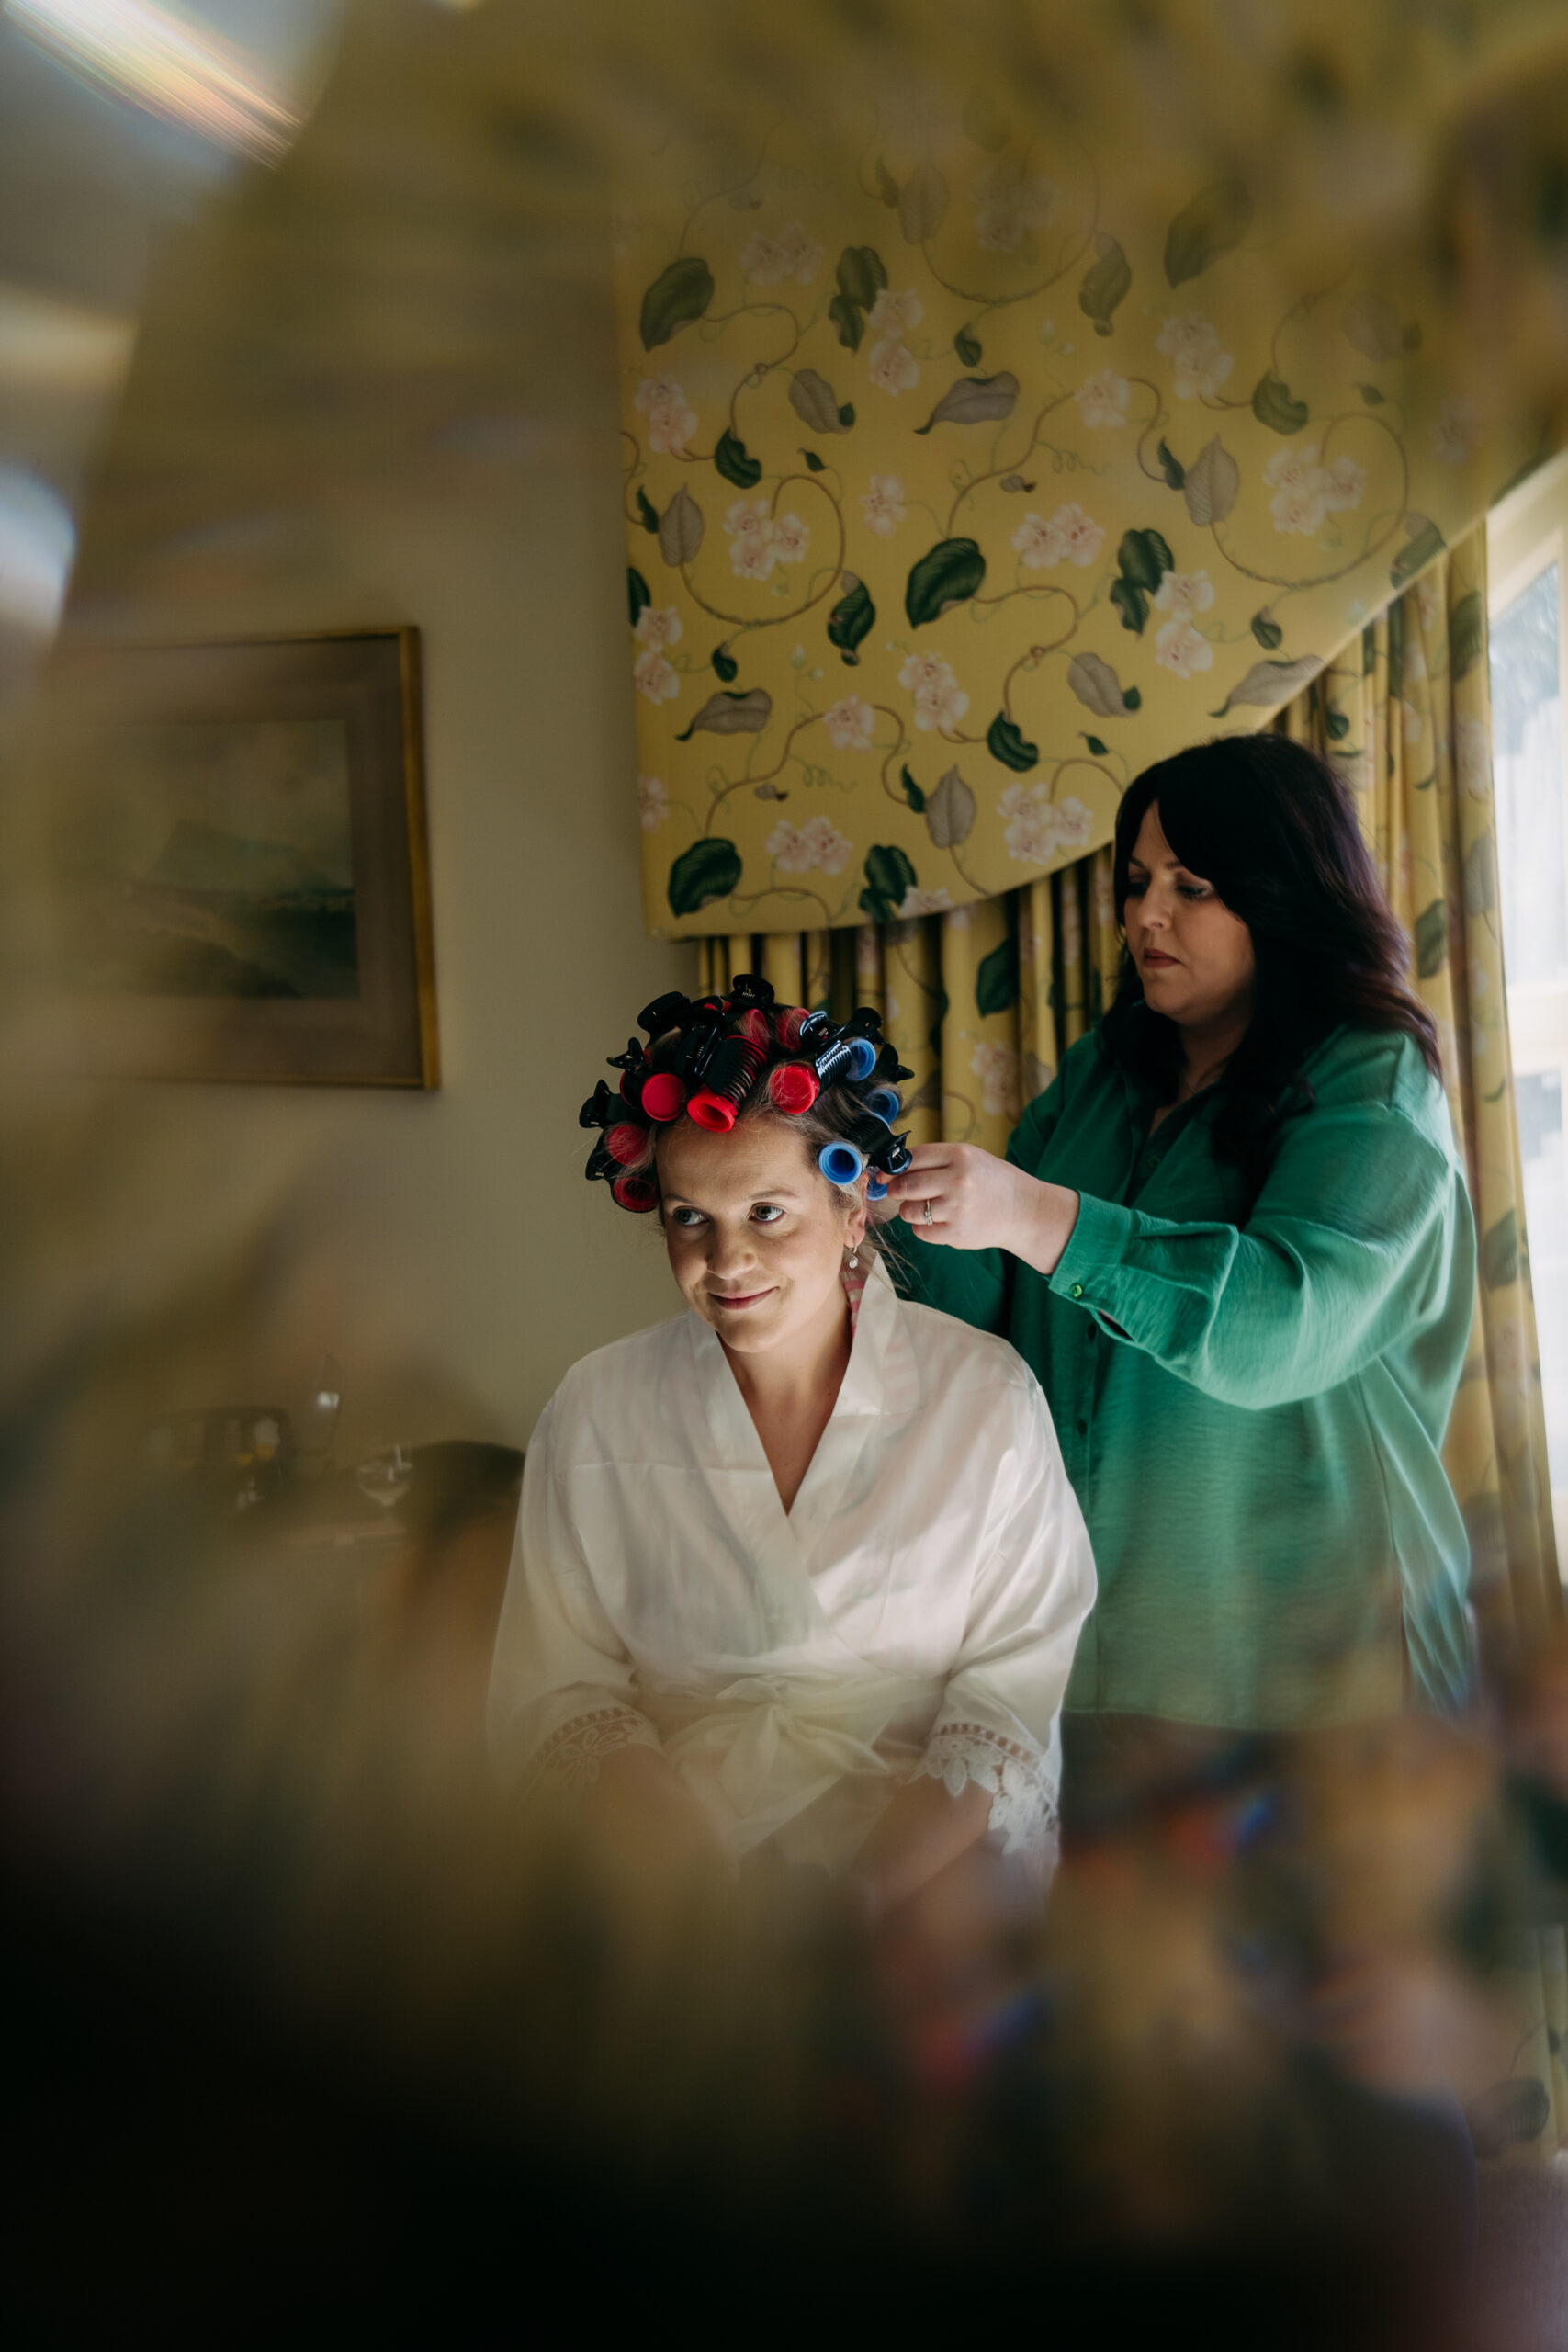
x=806, y=1551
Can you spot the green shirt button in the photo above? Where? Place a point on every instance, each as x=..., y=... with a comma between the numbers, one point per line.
x=1077, y=1291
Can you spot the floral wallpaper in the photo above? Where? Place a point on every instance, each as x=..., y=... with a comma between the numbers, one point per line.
x=956, y=495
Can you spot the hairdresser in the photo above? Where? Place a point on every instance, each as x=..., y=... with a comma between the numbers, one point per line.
x=1234, y=1241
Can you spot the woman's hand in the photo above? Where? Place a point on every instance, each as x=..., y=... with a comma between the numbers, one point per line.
x=957, y=1194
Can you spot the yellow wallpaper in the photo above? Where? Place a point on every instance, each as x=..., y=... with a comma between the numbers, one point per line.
x=957, y=489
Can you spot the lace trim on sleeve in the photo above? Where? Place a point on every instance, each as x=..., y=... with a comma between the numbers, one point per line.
x=568, y=1760
x=1016, y=1778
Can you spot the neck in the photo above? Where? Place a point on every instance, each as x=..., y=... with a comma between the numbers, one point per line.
x=1208, y=1045
x=808, y=1370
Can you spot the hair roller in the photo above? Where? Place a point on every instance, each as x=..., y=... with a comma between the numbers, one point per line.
x=883, y=1102
x=733, y=1069
x=799, y=1026
x=792, y=1088
x=841, y=1161
x=626, y=1142
x=754, y=1027
x=845, y=1057
x=638, y=1194
x=663, y=1096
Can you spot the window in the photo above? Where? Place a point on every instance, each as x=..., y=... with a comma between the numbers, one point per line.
x=1527, y=546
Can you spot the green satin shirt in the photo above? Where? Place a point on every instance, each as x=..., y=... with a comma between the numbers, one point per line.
x=1251, y=1398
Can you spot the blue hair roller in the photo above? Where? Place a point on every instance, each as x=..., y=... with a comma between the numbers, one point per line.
x=882, y=1103
x=876, y=1190
x=862, y=1058
x=841, y=1162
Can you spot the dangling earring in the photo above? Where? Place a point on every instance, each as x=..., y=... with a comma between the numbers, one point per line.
x=854, y=1257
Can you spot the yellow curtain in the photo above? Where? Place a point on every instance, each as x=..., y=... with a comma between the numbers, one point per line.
x=983, y=1001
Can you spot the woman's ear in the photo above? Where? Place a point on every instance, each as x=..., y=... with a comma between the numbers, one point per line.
x=855, y=1222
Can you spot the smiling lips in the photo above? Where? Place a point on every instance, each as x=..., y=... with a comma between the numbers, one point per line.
x=740, y=1298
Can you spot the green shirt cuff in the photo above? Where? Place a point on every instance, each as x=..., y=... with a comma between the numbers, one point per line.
x=1094, y=1251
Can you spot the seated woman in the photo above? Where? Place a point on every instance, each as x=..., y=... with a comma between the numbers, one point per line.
x=802, y=1563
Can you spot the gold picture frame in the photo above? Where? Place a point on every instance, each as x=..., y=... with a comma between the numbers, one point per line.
x=240, y=861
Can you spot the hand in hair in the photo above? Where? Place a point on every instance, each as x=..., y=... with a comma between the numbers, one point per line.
x=979, y=1202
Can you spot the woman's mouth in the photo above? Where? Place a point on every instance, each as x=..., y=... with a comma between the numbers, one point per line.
x=1153, y=960
x=736, y=1301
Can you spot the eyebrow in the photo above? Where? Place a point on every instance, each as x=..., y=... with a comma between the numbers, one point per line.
x=771, y=1193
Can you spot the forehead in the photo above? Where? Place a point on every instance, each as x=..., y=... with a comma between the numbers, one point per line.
x=759, y=1155
x=1151, y=848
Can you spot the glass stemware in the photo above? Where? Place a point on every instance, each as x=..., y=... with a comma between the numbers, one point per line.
x=384, y=1474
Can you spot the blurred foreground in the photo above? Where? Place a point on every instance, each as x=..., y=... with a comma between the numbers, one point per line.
x=309, y=2021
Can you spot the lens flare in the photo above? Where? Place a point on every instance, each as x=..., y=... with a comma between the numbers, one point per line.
x=169, y=64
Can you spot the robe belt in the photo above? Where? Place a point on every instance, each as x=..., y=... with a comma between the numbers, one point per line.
x=762, y=1749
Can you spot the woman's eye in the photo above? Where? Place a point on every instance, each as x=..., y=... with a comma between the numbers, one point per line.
x=767, y=1213
x=687, y=1217
x=1194, y=889
x=1134, y=889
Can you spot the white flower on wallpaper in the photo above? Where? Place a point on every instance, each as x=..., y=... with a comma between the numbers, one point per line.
x=1198, y=366
x=1103, y=399
x=940, y=700
x=653, y=802
x=757, y=542
x=653, y=676
x=1009, y=201
x=882, y=506
x=1344, y=483
x=1179, y=649
x=893, y=316
x=659, y=628
x=1068, y=537
x=1184, y=593
x=817, y=846
x=893, y=368
x=1305, y=491
x=791, y=540
x=996, y=1067
x=792, y=255
x=1037, y=827
x=1296, y=479
x=924, y=902
x=672, y=420
x=851, y=725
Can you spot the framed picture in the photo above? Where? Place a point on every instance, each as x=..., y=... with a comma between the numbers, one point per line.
x=237, y=839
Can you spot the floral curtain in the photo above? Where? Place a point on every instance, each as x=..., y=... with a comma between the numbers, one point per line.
x=975, y=462
x=983, y=1000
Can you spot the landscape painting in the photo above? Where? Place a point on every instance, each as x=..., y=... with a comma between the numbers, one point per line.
x=216, y=859
x=239, y=856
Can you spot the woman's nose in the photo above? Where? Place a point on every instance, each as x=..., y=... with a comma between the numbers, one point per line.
x=729, y=1249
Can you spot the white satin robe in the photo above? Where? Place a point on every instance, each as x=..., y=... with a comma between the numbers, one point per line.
x=916, y=1611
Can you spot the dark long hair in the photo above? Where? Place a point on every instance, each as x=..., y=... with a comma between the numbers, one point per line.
x=1270, y=826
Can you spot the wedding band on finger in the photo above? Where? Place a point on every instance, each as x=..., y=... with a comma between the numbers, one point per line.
x=928, y=1211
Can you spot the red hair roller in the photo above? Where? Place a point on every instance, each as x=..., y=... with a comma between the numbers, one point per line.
x=710, y=1111
x=626, y=1142
x=663, y=1096
x=638, y=1194
x=790, y=1025
x=754, y=1027
x=792, y=1088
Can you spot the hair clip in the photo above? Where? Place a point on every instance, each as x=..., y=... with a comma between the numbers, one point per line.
x=663, y=1012
x=601, y=1107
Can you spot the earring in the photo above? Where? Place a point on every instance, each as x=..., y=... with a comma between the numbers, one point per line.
x=854, y=1257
